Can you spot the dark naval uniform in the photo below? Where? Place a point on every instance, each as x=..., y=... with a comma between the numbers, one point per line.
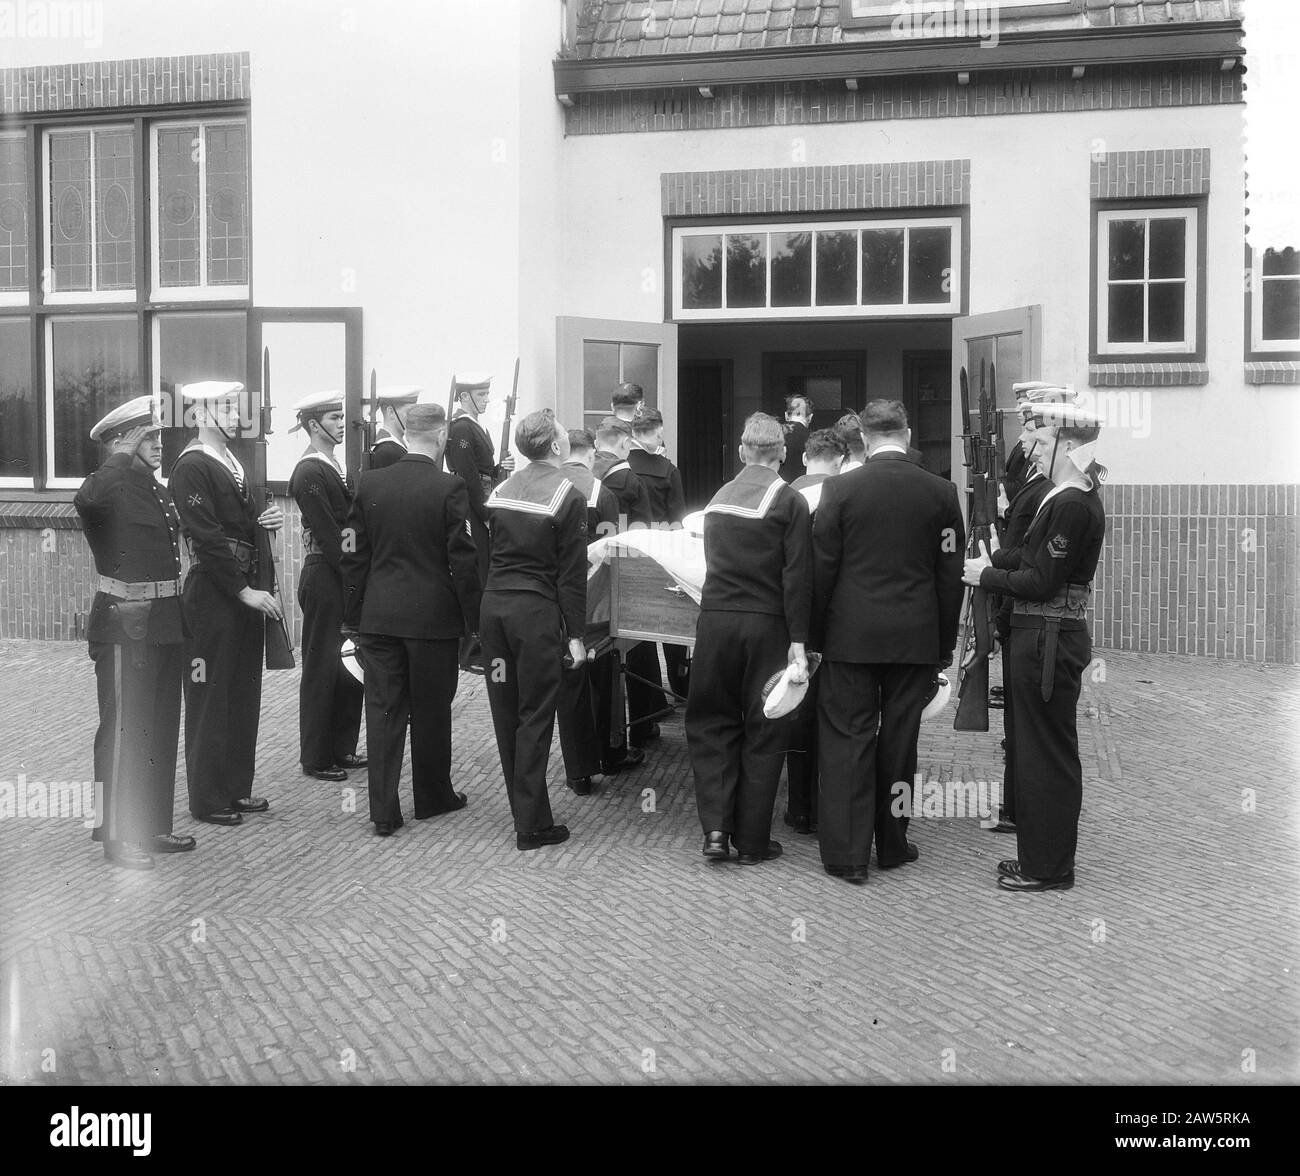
x=329, y=698
x=796, y=437
x=1049, y=576
x=535, y=600
x=663, y=484
x=1020, y=513
x=756, y=600
x=583, y=711
x=469, y=454
x=616, y=476
x=386, y=450
x=223, y=678
x=136, y=635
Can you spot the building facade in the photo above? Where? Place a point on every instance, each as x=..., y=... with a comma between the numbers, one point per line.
x=726, y=201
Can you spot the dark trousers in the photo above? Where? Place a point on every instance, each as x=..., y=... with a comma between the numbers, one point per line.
x=642, y=699
x=409, y=680
x=522, y=646
x=478, y=531
x=678, y=660
x=223, y=695
x=736, y=753
x=801, y=762
x=869, y=720
x=575, y=715
x=135, y=743
x=1009, y=731
x=329, y=698
x=1049, y=777
x=600, y=679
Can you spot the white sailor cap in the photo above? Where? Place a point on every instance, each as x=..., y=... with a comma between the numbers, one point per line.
x=316, y=403
x=210, y=391
x=1033, y=392
x=472, y=381
x=143, y=410
x=1061, y=414
x=395, y=395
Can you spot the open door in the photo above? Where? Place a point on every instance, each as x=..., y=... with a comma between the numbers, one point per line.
x=593, y=355
x=1008, y=342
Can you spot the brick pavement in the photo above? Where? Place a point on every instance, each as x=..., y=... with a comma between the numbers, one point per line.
x=299, y=948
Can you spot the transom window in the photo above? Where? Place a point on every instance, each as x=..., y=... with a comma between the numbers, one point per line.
x=829, y=269
x=1275, y=300
x=1147, y=281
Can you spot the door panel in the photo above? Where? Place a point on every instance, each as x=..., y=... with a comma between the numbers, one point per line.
x=593, y=355
x=706, y=458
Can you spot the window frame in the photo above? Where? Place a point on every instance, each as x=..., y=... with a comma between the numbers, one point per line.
x=1257, y=347
x=202, y=292
x=956, y=219
x=23, y=298
x=1192, y=210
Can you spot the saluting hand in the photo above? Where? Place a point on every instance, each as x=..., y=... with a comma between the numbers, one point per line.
x=271, y=519
x=129, y=441
x=971, y=574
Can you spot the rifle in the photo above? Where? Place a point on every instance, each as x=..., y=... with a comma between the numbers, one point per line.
x=279, y=646
x=512, y=400
x=972, y=712
x=370, y=424
x=451, y=398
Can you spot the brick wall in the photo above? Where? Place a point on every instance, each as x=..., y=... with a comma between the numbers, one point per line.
x=1207, y=570
x=1133, y=175
x=138, y=81
x=1051, y=91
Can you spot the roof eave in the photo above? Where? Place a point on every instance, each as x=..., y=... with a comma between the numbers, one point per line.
x=1039, y=49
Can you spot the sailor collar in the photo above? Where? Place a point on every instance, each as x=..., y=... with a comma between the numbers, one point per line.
x=532, y=493
x=749, y=495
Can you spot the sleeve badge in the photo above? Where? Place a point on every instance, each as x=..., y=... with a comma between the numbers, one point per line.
x=1057, y=546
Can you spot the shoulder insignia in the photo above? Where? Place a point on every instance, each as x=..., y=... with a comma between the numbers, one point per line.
x=1057, y=546
x=195, y=499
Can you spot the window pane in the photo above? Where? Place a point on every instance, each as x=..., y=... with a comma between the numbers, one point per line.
x=227, y=175
x=70, y=211
x=837, y=268
x=599, y=375
x=746, y=269
x=929, y=265
x=1127, y=245
x=13, y=213
x=1124, y=322
x=194, y=347
x=1010, y=368
x=1168, y=248
x=178, y=207
x=791, y=269
x=1281, y=308
x=96, y=367
x=114, y=210
x=17, y=405
x=1281, y=261
x=701, y=273
x=882, y=266
x=1167, y=302
x=641, y=366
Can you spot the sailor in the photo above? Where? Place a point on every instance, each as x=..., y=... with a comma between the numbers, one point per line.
x=798, y=416
x=390, y=440
x=469, y=454
x=329, y=698
x=627, y=402
x=849, y=430
x=1025, y=488
x=136, y=637
x=225, y=614
x=534, y=608
x=754, y=615
x=613, y=443
x=823, y=452
x=1049, y=578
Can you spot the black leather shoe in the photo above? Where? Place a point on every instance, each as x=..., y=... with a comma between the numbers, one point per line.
x=172, y=843
x=581, y=785
x=254, y=804
x=857, y=875
x=1009, y=866
x=912, y=854
x=552, y=836
x=716, y=845
x=385, y=828
x=221, y=817
x=799, y=824
x=351, y=761
x=459, y=803
x=622, y=757
x=1021, y=882
x=333, y=775
x=126, y=855
x=774, y=850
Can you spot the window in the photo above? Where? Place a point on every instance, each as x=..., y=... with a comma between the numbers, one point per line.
x=606, y=364
x=1275, y=301
x=14, y=200
x=829, y=269
x=90, y=222
x=1146, y=267
x=17, y=410
x=200, y=201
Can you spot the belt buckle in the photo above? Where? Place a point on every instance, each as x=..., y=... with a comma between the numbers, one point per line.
x=135, y=591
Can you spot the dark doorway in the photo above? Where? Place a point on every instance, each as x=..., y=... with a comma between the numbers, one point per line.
x=927, y=396
x=704, y=428
x=833, y=380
